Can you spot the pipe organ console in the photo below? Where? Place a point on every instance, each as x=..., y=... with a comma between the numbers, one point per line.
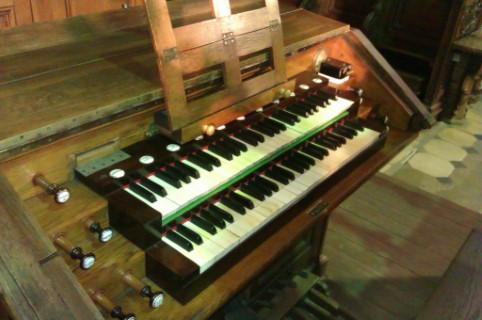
x=201, y=151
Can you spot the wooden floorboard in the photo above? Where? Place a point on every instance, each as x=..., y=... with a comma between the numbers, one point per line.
x=388, y=246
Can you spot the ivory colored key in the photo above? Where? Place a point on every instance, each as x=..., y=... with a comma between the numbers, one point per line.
x=204, y=255
x=223, y=238
x=162, y=204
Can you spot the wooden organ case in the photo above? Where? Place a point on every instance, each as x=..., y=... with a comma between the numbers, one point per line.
x=198, y=148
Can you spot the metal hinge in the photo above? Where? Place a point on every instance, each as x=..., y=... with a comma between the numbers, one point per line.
x=318, y=209
x=228, y=38
x=170, y=54
x=274, y=25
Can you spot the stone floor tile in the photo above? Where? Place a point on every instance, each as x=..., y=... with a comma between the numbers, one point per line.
x=431, y=165
x=445, y=150
x=457, y=137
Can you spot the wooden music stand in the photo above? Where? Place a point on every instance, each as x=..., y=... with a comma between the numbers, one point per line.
x=216, y=43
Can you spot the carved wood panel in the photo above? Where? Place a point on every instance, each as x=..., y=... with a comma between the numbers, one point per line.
x=7, y=16
x=45, y=10
x=20, y=12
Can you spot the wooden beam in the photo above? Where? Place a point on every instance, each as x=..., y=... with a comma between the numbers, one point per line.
x=36, y=282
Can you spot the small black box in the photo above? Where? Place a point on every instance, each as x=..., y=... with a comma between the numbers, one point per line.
x=335, y=68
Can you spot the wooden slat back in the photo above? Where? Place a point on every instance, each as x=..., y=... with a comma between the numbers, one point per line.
x=215, y=43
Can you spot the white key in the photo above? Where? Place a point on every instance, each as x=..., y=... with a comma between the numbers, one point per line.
x=162, y=205
x=201, y=255
x=223, y=239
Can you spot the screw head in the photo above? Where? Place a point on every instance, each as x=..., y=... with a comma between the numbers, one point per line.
x=87, y=261
x=157, y=299
x=105, y=235
x=62, y=195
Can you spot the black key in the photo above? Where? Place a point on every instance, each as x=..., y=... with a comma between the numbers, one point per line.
x=354, y=124
x=233, y=148
x=234, y=205
x=241, y=146
x=247, y=203
x=141, y=192
x=179, y=240
x=213, y=219
x=315, y=102
x=258, y=136
x=305, y=107
x=209, y=158
x=170, y=170
x=269, y=184
x=189, y=234
x=298, y=162
x=203, y=224
x=280, y=126
x=327, y=95
x=168, y=179
x=293, y=165
x=263, y=129
x=292, y=116
x=325, y=152
x=297, y=111
x=246, y=138
x=221, y=151
x=220, y=213
x=284, y=118
x=253, y=192
x=320, y=102
x=258, y=186
x=270, y=125
x=184, y=168
x=200, y=162
x=288, y=174
x=338, y=138
x=313, y=151
x=351, y=130
x=324, y=143
x=154, y=187
x=344, y=133
x=332, y=141
x=307, y=159
x=277, y=176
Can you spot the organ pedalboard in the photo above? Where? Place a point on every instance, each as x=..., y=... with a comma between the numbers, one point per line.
x=191, y=207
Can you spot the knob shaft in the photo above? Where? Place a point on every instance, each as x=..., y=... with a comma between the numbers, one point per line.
x=104, y=234
x=114, y=310
x=61, y=194
x=76, y=253
x=155, y=298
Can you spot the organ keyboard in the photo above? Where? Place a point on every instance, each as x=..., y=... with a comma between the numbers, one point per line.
x=201, y=200
x=200, y=193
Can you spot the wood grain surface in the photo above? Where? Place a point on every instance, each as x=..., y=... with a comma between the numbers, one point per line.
x=33, y=276
x=385, y=260
x=459, y=293
x=116, y=71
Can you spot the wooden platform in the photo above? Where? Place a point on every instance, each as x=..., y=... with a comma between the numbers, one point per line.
x=389, y=245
